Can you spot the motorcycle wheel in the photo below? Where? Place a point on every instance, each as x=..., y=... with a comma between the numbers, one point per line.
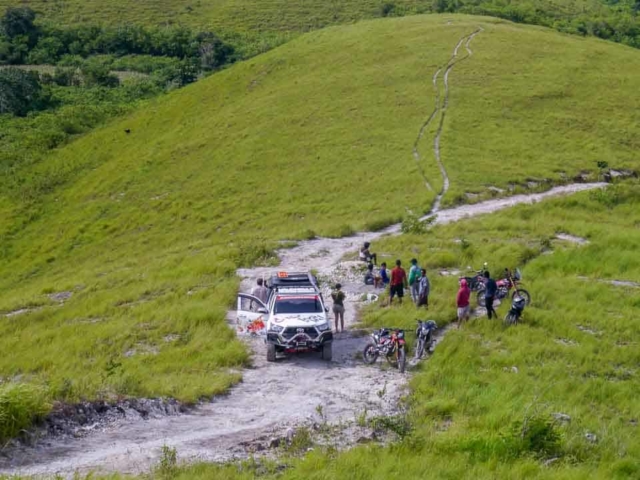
x=524, y=294
x=480, y=298
x=420, y=348
x=510, y=319
x=402, y=360
x=369, y=355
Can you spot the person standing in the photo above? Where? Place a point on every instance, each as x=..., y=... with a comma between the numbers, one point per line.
x=338, y=297
x=414, y=279
x=424, y=288
x=490, y=289
x=462, y=301
x=398, y=282
x=260, y=291
x=366, y=255
x=384, y=274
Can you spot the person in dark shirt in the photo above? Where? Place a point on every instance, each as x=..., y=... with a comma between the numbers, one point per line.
x=490, y=293
x=384, y=274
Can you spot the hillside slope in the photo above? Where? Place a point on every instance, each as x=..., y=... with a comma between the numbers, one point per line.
x=142, y=232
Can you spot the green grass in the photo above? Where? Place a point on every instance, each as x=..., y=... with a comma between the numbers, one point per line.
x=19, y=404
x=146, y=229
x=237, y=15
x=483, y=406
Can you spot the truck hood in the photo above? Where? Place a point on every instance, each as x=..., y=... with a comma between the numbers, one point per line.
x=299, y=319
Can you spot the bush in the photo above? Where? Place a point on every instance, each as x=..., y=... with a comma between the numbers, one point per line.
x=20, y=406
x=538, y=436
x=21, y=92
x=19, y=21
x=412, y=223
x=98, y=74
x=609, y=197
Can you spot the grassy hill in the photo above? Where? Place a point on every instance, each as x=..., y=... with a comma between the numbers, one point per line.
x=145, y=230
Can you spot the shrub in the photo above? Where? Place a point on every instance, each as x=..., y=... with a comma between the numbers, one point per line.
x=413, y=224
x=387, y=9
x=538, y=436
x=20, y=406
x=21, y=92
x=609, y=197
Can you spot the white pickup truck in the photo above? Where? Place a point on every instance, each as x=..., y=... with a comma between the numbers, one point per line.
x=295, y=315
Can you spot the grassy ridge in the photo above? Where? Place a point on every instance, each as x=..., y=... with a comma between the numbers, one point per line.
x=262, y=23
x=575, y=354
x=243, y=15
x=146, y=229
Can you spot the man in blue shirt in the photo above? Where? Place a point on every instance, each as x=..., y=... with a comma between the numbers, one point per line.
x=490, y=289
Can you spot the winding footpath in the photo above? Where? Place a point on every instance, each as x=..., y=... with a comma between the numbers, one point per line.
x=440, y=108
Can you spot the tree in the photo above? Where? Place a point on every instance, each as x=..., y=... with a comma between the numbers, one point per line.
x=19, y=21
x=98, y=74
x=20, y=92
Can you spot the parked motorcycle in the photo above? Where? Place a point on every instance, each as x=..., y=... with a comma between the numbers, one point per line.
x=390, y=343
x=476, y=282
x=517, y=307
x=510, y=281
x=424, y=333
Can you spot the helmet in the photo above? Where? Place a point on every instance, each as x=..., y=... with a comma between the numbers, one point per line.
x=463, y=282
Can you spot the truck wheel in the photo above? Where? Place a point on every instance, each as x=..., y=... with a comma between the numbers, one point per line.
x=271, y=352
x=327, y=352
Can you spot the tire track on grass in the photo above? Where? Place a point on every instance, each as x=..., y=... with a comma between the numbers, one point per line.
x=440, y=107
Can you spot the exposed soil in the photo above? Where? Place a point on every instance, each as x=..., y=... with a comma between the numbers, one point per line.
x=272, y=400
x=440, y=109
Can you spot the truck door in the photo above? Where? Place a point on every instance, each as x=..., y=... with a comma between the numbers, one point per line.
x=252, y=315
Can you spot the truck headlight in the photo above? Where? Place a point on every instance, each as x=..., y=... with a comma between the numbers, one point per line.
x=323, y=327
x=276, y=328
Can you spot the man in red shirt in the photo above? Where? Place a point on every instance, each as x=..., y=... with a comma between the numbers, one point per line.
x=462, y=300
x=398, y=282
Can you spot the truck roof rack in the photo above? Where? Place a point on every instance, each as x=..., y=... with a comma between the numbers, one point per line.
x=292, y=279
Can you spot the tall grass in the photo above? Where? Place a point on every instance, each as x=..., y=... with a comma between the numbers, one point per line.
x=20, y=405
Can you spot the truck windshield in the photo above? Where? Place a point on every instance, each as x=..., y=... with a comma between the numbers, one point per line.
x=298, y=304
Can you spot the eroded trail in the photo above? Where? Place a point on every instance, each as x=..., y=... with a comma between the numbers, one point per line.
x=272, y=398
x=440, y=110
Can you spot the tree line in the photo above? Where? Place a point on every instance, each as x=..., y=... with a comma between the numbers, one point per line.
x=86, y=55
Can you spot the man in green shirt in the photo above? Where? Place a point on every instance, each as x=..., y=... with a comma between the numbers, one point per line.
x=414, y=280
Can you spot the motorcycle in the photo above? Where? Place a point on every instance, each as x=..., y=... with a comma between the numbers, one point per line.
x=424, y=332
x=517, y=307
x=504, y=287
x=390, y=343
x=476, y=282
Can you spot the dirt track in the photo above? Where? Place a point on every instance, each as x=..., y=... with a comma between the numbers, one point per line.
x=273, y=398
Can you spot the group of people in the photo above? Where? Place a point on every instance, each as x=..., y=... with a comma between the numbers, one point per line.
x=418, y=284
x=464, y=294
x=397, y=279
